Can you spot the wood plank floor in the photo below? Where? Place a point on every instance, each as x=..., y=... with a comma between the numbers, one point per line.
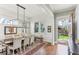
x=45, y=49
x=58, y=49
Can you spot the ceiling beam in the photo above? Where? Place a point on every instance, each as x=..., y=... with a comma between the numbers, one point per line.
x=20, y=6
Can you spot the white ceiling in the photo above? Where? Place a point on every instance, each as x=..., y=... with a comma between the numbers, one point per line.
x=62, y=7
x=37, y=11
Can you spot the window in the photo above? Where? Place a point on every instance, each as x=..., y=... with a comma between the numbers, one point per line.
x=14, y=22
x=6, y=21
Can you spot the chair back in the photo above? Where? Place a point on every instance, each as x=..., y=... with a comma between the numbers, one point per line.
x=32, y=38
x=17, y=43
x=26, y=41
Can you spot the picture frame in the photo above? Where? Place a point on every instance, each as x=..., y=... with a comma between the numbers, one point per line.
x=10, y=30
x=42, y=28
x=36, y=29
x=49, y=29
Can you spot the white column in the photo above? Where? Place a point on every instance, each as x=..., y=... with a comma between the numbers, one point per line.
x=77, y=20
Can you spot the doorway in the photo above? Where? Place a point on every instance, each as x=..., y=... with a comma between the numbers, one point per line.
x=64, y=26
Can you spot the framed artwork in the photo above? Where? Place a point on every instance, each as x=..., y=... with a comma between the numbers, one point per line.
x=36, y=27
x=42, y=28
x=49, y=29
x=10, y=30
x=39, y=27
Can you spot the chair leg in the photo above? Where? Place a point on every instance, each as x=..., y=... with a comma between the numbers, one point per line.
x=20, y=49
x=13, y=51
x=24, y=48
x=8, y=51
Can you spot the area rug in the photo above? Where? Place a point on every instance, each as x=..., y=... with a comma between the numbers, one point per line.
x=31, y=50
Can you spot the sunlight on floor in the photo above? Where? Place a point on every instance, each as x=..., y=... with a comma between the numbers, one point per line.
x=59, y=49
x=62, y=49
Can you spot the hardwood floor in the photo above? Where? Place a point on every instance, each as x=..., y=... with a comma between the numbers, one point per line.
x=45, y=49
x=58, y=49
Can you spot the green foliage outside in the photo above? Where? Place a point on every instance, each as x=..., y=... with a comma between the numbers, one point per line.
x=63, y=37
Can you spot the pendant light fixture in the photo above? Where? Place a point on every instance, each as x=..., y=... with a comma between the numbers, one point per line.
x=18, y=11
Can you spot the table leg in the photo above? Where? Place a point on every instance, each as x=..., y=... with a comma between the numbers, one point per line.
x=6, y=50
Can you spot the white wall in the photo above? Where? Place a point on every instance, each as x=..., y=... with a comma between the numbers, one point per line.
x=47, y=20
x=49, y=37
x=77, y=20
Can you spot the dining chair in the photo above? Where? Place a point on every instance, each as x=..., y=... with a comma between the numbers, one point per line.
x=16, y=45
x=32, y=39
x=26, y=42
x=2, y=47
